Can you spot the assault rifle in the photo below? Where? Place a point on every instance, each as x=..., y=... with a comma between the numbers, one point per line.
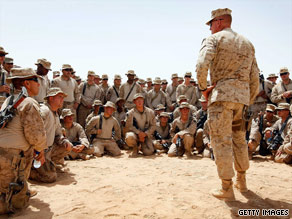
x=263, y=145
x=201, y=121
x=277, y=140
x=159, y=137
x=7, y=114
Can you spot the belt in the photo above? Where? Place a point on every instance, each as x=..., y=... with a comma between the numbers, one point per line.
x=104, y=138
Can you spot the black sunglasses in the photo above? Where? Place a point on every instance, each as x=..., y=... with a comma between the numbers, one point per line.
x=2, y=54
x=32, y=79
x=285, y=73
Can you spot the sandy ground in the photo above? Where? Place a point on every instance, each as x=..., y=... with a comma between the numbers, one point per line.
x=155, y=187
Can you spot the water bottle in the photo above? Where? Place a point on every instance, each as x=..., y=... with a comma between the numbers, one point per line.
x=36, y=163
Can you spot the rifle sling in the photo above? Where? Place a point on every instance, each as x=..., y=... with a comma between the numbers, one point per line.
x=284, y=125
x=130, y=91
x=116, y=92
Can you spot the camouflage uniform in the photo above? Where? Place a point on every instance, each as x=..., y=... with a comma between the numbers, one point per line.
x=237, y=85
x=55, y=142
x=104, y=141
x=70, y=87
x=146, y=123
x=186, y=131
x=43, y=90
x=77, y=134
x=124, y=91
x=91, y=93
x=284, y=153
x=189, y=91
x=22, y=135
x=260, y=103
x=199, y=134
x=164, y=132
x=3, y=76
x=155, y=98
x=278, y=90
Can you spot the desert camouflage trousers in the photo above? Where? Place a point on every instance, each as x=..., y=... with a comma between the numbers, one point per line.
x=146, y=147
x=47, y=173
x=82, y=114
x=14, y=172
x=227, y=134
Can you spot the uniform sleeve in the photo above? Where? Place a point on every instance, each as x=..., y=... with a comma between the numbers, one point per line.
x=206, y=56
x=91, y=126
x=194, y=99
x=109, y=93
x=254, y=81
x=129, y=123
x=122, y=91
x=33, y=126
x=152, y=124
x=77, y=93
x=60, y=139
x=117, y=129
x=82, y=136
x=276, y=97
x=254, y=131
x=172, y=129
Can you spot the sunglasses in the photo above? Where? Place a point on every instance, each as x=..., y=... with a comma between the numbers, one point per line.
x=2, y=55
x=285, y=73
x=68, y=69
x=215, y=20
x=32, y=79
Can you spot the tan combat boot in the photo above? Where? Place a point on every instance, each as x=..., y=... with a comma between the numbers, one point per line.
x=226, y=192
x=241, y=182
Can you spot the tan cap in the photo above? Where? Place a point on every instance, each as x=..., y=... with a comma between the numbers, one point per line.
x=2, y=51
x=45, y=63
x=141, y=81
x=97, y=103
x=117, y=77
x=219, y=12
x=283, y=106
x=53, y=91
x=272, y=76
x=56, y=73
x=66, y=112
x=91, y=73
x=136, y=96
x=21, y=73
x=120, y=99
x=203, y=99
x=192, y=80
x=136, y=77
x=180, y=79
x=96, y=76
x=283, y=70
x=77, y=78
x=157, y=81
x=164, y=81
x=175, y=75
x=188, y=74
x=130, y=72
x=270, y=107
x=182, y=97
x=164, y=114
x=66, y=66
x=184, y=105
x=110, y=104
x=8, y=60
x=104, y=77
x=149, y=80
x=160, y=107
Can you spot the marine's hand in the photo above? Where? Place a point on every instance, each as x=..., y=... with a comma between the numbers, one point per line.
x=208, y=91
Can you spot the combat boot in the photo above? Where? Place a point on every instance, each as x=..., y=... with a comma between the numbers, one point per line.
x=226, y=192
x=241, y=182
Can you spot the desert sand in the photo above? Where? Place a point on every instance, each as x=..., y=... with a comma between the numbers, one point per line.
x=155, y=187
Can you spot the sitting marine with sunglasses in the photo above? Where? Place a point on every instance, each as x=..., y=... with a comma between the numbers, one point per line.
x=282, y=92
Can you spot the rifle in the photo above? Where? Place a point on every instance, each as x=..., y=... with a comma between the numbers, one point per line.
x=201, y=121
x=212, y=154
x=121, y=143
x=247, y=117
x=7, y=114
x=263, y=145
x=159, y=137
x=277, y=140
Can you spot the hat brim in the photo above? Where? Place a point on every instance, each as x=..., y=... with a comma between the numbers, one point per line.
x=9, y=79
x=51, y=95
